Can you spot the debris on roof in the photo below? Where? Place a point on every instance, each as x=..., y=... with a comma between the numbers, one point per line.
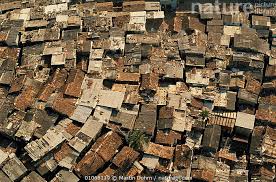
x=88, y=132
x=40, y=147
x=33, y=176
x=14, y=168
x=65, y=175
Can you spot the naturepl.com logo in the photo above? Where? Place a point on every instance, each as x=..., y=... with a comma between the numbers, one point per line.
x=264, y=8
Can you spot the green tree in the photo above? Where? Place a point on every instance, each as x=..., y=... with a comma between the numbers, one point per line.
x=204, y=113
x=137, y=140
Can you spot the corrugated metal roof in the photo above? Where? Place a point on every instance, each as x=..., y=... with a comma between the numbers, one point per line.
x=227, y=119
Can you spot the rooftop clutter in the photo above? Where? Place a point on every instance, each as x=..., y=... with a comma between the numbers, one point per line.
x=132, y=89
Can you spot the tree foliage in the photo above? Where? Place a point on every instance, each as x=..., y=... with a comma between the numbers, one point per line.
x=137, y=140
x=204, y=113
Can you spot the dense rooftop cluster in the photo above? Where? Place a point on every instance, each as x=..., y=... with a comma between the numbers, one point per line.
x=131, y=89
